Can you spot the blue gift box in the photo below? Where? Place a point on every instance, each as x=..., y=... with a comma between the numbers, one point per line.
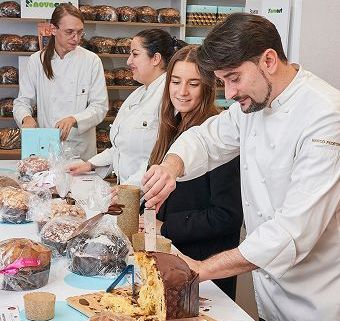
x=39, y=141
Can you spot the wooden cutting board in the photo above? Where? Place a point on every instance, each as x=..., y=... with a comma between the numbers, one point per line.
x=89, y=304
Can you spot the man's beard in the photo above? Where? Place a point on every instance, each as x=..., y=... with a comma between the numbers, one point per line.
x=254, y=105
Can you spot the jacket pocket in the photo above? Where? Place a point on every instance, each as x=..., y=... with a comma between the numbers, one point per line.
x=82, y=96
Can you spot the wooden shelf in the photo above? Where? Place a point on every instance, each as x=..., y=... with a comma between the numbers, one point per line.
x=15, y=20
x=106, y=55
x=134, y=24
x=16, y=53
x=199, y=26
x=10, y=153
x=122, y=87
x=8, y=86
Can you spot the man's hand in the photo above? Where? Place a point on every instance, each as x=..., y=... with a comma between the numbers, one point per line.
x=65, y=126
x=29, y=122
x=160, y=180
x=79, y=168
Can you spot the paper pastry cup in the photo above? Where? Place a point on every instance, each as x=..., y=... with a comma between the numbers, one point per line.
x=39, y=306
x=162, y=243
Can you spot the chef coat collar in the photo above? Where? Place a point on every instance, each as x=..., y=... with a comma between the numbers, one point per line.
x=67, y=56
x=288, y=92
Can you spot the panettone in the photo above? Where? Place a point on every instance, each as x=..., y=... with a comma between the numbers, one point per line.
x=105, y=13
x=9, y=75
x=10, y=42
x=7, y=181
x=34, y=164
x=10, y=138
x=146, y=14
x=6, y=107
x=168, y=15
x=169, y=289
x=122, y=45
x=56, y=233
x=88, y=12
x=30, y=43
x=61, y=208
x=109, y=77
x=103, y=138
x=13, y=205
x=126, y=14
x=10, y=9
x=85, y=44
x=29, y=277
x=124, y=77
x=102, y=44
x=114, y=107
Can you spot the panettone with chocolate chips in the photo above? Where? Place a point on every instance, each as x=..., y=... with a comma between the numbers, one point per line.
x=10, y=42
x=102, y=44
x=10, y=9
x=88, y=12
x=168, y=15
x=105, y=13
x=126, y=14
x=146, y=14
x=9, y=75
x=30, y=43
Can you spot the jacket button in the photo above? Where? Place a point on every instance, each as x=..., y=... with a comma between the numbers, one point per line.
x=245, y=166
x=263, y=180
x=272, y=145
x=145, y=123
x=246, y=203
x=259, y=213
x=267, y=276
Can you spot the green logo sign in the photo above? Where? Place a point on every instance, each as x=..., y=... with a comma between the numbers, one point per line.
x=43, y=4
x=275, y=10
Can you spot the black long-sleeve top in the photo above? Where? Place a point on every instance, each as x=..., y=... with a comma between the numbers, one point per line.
x=203, y=216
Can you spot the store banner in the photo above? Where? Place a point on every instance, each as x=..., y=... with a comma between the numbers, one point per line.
x=41, y=8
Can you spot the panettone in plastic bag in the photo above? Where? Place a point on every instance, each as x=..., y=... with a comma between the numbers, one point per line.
x=10, y=9
x=29, y=166
x=98, y=247
x=24, y=264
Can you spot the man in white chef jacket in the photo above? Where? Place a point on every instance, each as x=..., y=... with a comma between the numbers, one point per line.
x=67, y=84
x=286, y=128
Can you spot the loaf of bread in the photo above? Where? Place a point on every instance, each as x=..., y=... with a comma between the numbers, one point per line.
x=126, y=14
x=102, y=44
x=105, y=13
x=6, y=181
x=29, y=277
x=10, y=9
x=169, y=289
x=30, y=43
x=168, y=15
x=10, y=138
x=146, y=14
x=9, y=75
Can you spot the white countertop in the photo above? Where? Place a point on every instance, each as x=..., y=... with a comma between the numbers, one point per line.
x=218, y=306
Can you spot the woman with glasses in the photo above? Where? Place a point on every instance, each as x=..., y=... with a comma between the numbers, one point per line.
x=134, y=131
x=66, y=82
x=202, y=216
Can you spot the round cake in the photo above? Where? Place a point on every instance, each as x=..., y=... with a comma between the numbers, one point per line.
x=31, y=165
x=10, y=138
x=10, y=42
x=102, y=44
x=103, y=138
x=99, y=254
x=168, y=15
x=7, y=181
x=13, y=205
x=9, y=75
x=105, y=13
x=122, y=46
x=6, y=107
x=124, y=77
x=30, y=43
x=27, y=278
x=88, y=12
x=10, y=9
x=109, y=77
x=146, y=14
x=126, y=14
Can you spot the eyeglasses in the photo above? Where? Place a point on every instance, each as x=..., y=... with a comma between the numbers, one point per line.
x=69, y=33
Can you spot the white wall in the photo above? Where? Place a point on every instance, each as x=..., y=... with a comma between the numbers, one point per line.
x=316, y=38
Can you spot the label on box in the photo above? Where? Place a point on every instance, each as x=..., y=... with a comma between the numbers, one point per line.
x=9, y=313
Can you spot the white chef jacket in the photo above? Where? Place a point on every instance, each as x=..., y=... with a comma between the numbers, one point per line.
x=78, y=89
x=290, y=169
x=133, y=133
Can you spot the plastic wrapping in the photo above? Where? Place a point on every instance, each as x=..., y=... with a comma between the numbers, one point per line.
x=14, y=205
x=30, y=43
x=168, y=15
x=146, y=14
x=102, y=44
x=57, y=231
x=126, y=14
x=6, y=107
x=122, y=46
x=98, y=248
x=10, y=9
x=24, y=264
x=10, y=42
x=88, y=12
x=29, y=166
x=105, y=13
x=8, y=180
x=124, y=77
x=10, y=138
x=9, y=75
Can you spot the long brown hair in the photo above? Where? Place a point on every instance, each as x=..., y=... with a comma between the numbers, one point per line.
x=172, y=125
x=48, y=52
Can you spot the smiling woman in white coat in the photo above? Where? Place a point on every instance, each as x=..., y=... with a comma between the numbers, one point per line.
x=134, y=131
x=67, y=84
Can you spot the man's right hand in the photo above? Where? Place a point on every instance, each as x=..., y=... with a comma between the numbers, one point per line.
x=160, y=180
x=80, y=168
x=29, y=122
